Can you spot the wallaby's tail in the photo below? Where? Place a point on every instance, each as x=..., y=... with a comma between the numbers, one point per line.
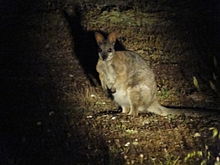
x=171, y=111
x=193, y=112
x=163, y=111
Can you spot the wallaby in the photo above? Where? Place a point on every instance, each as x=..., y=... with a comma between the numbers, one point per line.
x=130, y=79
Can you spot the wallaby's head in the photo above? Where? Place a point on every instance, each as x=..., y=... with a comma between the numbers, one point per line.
x=106, y=46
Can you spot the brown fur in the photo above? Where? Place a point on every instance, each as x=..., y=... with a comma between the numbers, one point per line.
x=99, y=38
x=112, y=37
x=129, y=76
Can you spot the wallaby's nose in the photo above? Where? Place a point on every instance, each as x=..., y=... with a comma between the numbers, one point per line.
x=104, y=56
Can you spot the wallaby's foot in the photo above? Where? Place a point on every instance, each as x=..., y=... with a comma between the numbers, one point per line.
x=133, y=112
x=125, y=110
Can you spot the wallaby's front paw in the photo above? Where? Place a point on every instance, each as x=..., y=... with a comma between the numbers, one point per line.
x=113, y=90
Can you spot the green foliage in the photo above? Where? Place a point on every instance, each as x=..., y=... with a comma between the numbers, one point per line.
x=215, y=132
x=196, y=83
x=164, y=93
x=130, y=18
x=131, y=131
x=212, y=86
x=203, y=157
x=168, y=160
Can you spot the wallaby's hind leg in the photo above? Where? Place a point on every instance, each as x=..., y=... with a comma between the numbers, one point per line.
x=125, y=109
x=134, y=99
x=133, y=111
x=141, y=98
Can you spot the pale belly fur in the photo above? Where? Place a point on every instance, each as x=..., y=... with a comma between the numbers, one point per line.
x=121, y=97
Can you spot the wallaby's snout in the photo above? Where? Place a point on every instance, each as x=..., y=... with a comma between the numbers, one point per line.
x=106, y=46
x=104, y=56
x=105, y=51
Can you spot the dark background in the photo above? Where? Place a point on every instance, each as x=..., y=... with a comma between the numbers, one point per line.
x=23, y=135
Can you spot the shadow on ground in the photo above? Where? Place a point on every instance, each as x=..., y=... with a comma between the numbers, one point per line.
x=34, y=125
x=85, y=46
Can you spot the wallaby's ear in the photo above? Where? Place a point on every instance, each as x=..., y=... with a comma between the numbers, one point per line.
x=112, y=37
x=99, y=38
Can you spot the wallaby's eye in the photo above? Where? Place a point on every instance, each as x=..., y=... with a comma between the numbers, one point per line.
x=110, y=50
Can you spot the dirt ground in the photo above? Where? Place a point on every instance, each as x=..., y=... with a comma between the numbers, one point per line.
x=54, y=110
